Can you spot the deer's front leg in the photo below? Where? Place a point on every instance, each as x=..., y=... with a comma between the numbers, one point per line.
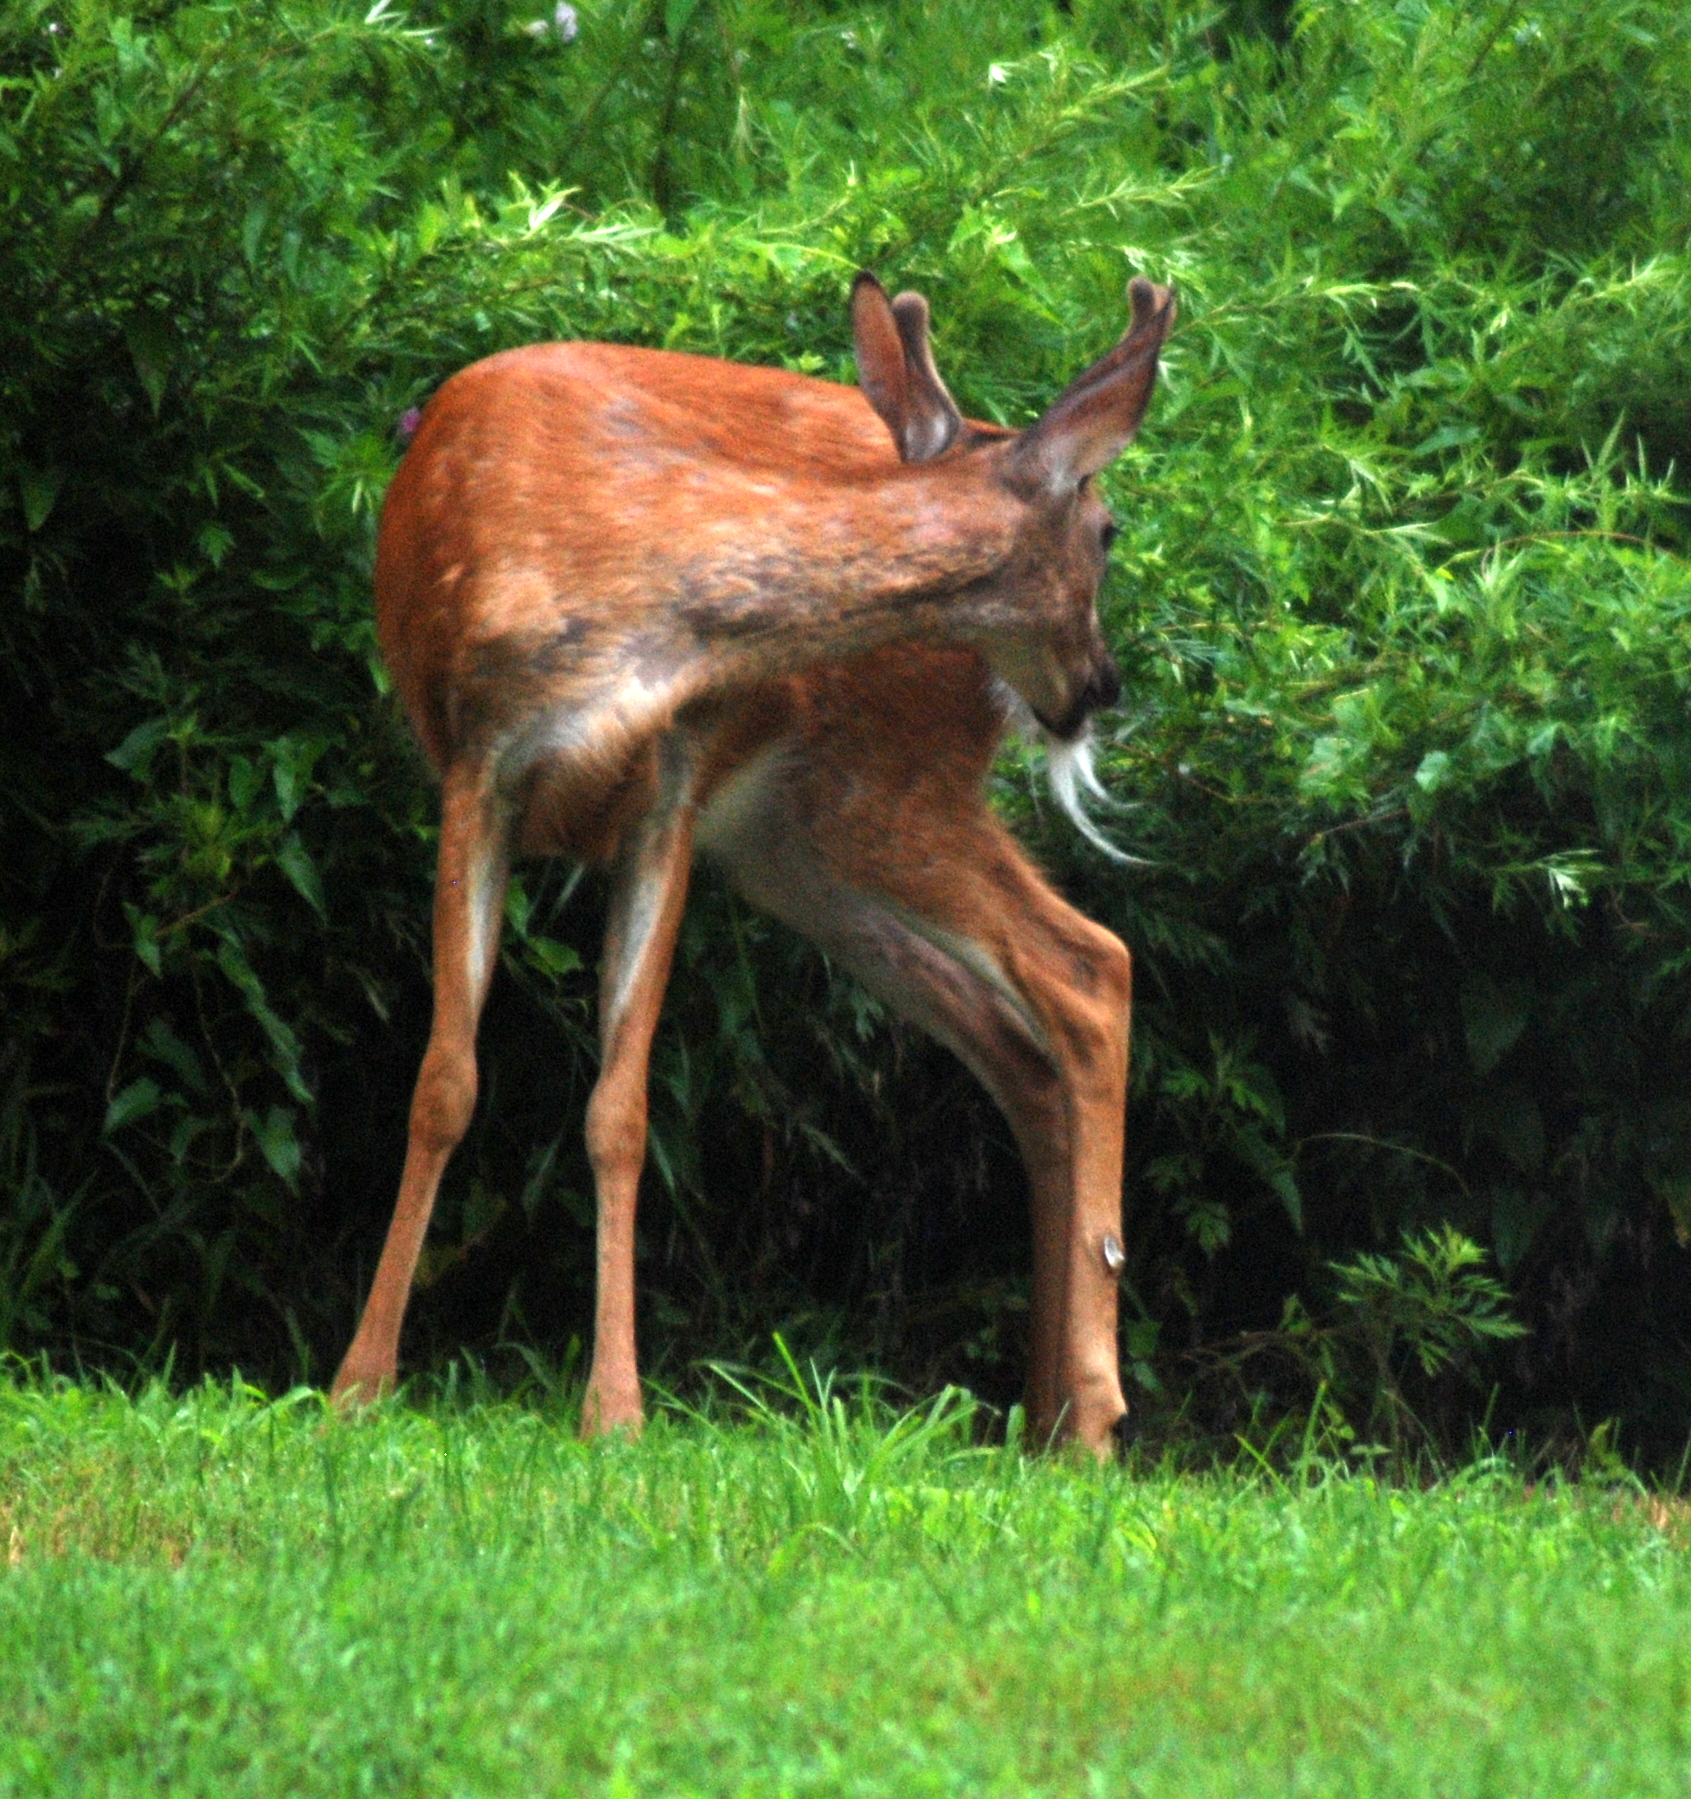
x=468, y=904
x=649, y=893
x=966, y=941
x=1068, y=1118
x=1075, y=1378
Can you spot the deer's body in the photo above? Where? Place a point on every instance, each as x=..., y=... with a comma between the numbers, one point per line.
x=638, y=604
x=525, y=619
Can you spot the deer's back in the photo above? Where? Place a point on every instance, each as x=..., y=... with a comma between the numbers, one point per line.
x=552, y=496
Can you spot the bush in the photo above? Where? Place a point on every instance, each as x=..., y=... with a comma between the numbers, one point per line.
x=1401, y=593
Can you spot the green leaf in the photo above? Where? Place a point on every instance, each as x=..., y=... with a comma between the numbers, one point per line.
x=144, y=931
x=1140, y=1337
x=294, y=860
x=1434, y=771
x=159, y=1040
x=553, y=957
x=246, y=777
x=284, y=1044
x=153, y=347
x=1271, y=1166
x=292, y=760
x=39, y=489
x=278, y=1142
x=518, y=904
x=252, y=232
x=134, y=755
x=135, y=1101
x=1447, y=437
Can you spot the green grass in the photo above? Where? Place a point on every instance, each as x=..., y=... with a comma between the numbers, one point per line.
x=217, y=1594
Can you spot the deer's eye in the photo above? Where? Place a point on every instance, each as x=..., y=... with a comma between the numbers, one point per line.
x=1109, y=535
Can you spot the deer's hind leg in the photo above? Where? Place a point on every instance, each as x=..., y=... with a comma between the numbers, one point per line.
x=949, y=922
x=648, y=894
x=469, y=903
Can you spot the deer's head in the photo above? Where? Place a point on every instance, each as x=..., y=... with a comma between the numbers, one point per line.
x=1031, y=491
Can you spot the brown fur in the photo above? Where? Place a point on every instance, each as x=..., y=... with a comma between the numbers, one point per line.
x=636, y=601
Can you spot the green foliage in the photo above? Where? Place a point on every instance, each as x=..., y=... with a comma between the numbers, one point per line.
x=842, y=1456
x=1385, y=1365
x=1431, y=1298
x=1400, y=593
x=211, y=1593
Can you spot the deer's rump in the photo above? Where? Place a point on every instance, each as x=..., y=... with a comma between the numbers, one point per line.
x=564, y=508
x=538, y=599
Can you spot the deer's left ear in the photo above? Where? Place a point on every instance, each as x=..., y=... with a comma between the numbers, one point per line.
x=895, y=369
x=1095, y=419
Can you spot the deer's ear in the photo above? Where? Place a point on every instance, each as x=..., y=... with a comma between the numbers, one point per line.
x=895, y=369
x=933, y=421
x=1095, y=419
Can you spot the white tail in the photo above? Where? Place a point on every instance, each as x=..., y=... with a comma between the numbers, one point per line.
x=640, y=604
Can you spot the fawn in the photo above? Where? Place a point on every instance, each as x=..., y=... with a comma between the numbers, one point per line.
x=640, y=605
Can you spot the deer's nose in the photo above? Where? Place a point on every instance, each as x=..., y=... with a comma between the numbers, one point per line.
x=1104, y=687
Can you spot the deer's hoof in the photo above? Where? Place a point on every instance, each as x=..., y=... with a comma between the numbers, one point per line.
x=358, y=1387
x=611, y=1413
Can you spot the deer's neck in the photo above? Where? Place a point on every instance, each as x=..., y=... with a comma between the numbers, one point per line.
x=833, y=573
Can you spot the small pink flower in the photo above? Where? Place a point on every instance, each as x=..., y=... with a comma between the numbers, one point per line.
x=409, y=420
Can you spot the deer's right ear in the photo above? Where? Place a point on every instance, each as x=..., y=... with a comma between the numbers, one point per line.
x=895, y=369
x=1095, y=419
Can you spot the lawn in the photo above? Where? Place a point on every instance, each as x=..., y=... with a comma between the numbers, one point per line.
x=215, y=1593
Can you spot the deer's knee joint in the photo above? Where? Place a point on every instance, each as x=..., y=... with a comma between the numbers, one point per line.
x=1092, y=1012
x=1114, y=967
x=445, y=1098
x=616, y=1129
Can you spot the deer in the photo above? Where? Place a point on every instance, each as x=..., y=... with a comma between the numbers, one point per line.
x=641, y=606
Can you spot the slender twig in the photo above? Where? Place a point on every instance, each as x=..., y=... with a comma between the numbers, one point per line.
x=1402, y=1149
x=1357, y=824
